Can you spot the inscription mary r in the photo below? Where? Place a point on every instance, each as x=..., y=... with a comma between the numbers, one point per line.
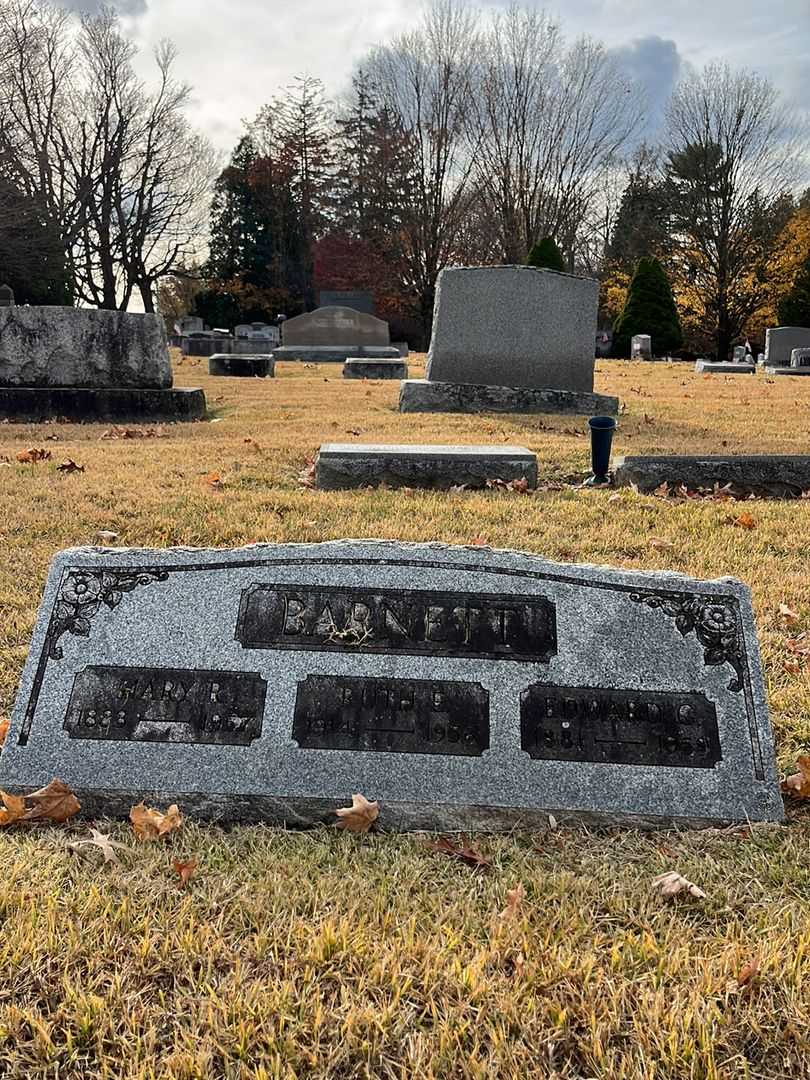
x=474, y=625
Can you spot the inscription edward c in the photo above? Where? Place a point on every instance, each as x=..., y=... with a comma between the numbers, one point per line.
x=400, y=621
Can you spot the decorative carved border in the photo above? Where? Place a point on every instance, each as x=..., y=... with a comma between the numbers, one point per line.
x=712, y=619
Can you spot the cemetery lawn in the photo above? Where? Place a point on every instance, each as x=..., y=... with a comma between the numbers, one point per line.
x=324, y=955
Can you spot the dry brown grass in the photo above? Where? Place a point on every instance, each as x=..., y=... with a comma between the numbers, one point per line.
x=319, y=955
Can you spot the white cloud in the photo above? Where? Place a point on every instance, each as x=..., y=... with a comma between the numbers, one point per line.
x=239, y=53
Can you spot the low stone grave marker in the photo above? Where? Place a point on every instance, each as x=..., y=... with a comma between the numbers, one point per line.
x=786, y=475
x=461, y=687
x=725, y=367
x=362, y=367
x=353, y=465
x=256, y=366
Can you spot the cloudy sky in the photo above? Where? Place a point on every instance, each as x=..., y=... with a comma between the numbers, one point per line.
x=239, y=53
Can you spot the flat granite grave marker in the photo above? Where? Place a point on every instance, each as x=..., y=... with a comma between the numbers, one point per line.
x=461, y=687
x=782, y=475
x=353, y=465
x=725, y=367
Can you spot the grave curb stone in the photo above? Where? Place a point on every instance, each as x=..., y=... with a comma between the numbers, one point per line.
x=606, y=635
x=766, y=474
x=797, y=372
x=422, y=395
x=353, y=465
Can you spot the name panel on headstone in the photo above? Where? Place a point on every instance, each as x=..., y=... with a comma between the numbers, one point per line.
x=416, y=716
x=166, y=705
x=566, y=723
x=461, y=687
x=504, y=627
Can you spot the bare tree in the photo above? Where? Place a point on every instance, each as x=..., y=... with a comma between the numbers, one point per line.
x=117, y=166
x=424, y=79
x=732, y=158
x=546, y=125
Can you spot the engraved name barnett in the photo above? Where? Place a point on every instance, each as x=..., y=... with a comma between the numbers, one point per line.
x=399, y=621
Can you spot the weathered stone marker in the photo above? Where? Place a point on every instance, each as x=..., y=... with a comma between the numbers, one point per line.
x=352, y=465
x=6, y=296
x=334, y=333
x=461, y=687
x=88, y=365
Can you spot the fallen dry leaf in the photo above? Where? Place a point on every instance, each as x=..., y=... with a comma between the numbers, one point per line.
x=461, y=851
x=4, y=723
x=478, y=541
x=32, y=454
x=514, y=900
x=360, y=816
x=55, y=802
x=185, y=870
x=13, y=808
x=306, y=478
x=69, y=466
x=106, y=536
x=748, y=973
x=214, y=481
x=787, y=616
x=661, y=545
x=798, y=785
x=745, y=521
x=673, y=884
x=253, y=445
x=101, y=841
x=150, y=824
x=799, y=646
x=792, y=667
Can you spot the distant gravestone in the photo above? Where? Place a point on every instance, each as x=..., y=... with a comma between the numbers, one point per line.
x=335, y=326
x=513, y=334
x=463, y=688
x=250, y=366
x=6, y=296
x=334, y=333
x=780, y=342
x=190, y=324
x=641, y=347
x=361, y=367
x=725, y=367
x=738, y=354
x=800, y=358
x=358, y=299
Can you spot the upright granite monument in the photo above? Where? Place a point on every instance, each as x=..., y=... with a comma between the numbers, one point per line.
x=82, y=364
x=334, y=333
x=461, y=687
x=510, y=339
x=787, y=350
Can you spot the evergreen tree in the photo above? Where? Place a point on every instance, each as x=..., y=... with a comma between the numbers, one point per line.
x=649, y=309
x=546, y=255
x=371, y=185
x=794, y=307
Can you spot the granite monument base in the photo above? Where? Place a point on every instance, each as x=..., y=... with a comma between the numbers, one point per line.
x=325, y=354
x=461, y=687
x=34, y=404
x=256, y=366
x=421, y=395
x=352, y=465
x=787, y=370
x=363, y=367
x=785, y=475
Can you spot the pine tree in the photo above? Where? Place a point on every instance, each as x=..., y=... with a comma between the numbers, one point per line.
x=546, y=255
x=794, y=307
x=649, y=309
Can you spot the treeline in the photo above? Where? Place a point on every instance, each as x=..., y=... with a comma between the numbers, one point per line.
x=104, y=187
x=468, y=140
